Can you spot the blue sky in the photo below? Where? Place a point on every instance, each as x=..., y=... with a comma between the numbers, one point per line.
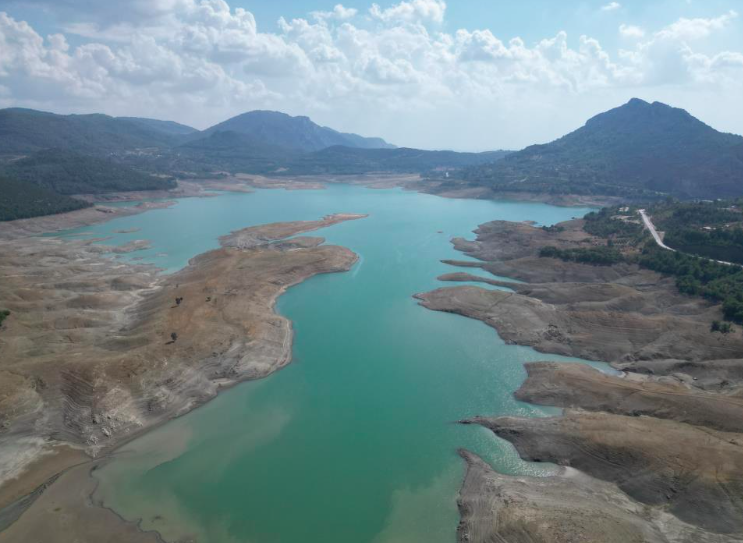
x=531, y=20
x=528, y=19
x=463, y=74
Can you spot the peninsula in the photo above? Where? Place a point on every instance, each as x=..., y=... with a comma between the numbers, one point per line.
x=98, y=351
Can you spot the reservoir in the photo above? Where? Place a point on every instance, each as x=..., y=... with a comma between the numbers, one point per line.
x=356, y=440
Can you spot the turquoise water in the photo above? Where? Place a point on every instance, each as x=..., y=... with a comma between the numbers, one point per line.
x=356, y=440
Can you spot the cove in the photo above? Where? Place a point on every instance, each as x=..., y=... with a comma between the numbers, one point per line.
x=356, y=440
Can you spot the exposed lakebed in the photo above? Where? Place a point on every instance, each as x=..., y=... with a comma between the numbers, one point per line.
x=355, y=440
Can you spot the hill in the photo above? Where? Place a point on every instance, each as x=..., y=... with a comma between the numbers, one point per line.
x=231, y=151
x=637, y=150
x=20, y=200
x=236, y=152
x=24, y=131
x=701, y=235
x=67, y=172
x=166, y=127
x=295, y=133
x=339, y=160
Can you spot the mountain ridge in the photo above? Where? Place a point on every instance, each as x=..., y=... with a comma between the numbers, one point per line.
x=297, y=133
x=639, y=149
x=66, y=172
x=167, y=127
x=24, y=131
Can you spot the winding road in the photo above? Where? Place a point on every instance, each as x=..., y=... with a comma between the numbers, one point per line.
x=651, y=228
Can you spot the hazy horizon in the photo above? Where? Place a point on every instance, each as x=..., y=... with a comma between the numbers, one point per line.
x=419, y=73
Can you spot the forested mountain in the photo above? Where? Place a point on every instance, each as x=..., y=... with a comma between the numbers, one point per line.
x=166, y=127
x=230, y=151
x=295, y=133
x=24, y=131
x=636, y=150
x=67, y=172
x=340, y=160
x=50, y=156
x=21, y=200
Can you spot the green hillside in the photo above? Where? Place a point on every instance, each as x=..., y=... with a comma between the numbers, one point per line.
x=21, y=200
x=24, y=131
x=638, y=150
x=67, y=172
x=346, y=160
x=166, y=127
x=293, y=133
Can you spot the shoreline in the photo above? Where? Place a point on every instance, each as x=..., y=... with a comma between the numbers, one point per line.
x=49, y=224
x=244, y=183
x=619, y=434
x=266, y=248
x=101, y=213
x=244, y=243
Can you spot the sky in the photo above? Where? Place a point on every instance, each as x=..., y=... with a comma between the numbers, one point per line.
x=464, y=74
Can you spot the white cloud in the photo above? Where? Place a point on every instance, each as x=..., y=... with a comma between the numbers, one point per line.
x=339, y=13
x=631, y=31
x=694, y=29
x=611, y=6
x=666, y=56
x=395, y=73
x=411, y=11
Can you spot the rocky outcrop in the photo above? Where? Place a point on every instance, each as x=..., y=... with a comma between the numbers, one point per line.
x=674, y=398
x=653, y=454
x=691, y=471
x=600, y=321
x=567, y=507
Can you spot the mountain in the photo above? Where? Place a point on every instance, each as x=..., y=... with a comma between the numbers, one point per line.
x=67, y=172
x=236, y=152
x=636, y=150
x=166, y=127
x=20, y=200
x=296, y=133
x=230, y=140
x=232, y=151
x=24, y=131
x=339, y=160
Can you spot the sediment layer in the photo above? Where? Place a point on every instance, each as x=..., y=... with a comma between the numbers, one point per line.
x=569, y=507
x=674, y=398
x=691, y=471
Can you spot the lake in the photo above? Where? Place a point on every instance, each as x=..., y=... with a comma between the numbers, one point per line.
x=356, y=440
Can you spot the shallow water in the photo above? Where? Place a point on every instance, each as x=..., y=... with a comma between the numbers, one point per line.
x=354, y=441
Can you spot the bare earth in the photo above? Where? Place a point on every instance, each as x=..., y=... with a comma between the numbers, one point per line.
x=87, y=360
x=569, y=507
x=652, y=454
x=699, y=481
